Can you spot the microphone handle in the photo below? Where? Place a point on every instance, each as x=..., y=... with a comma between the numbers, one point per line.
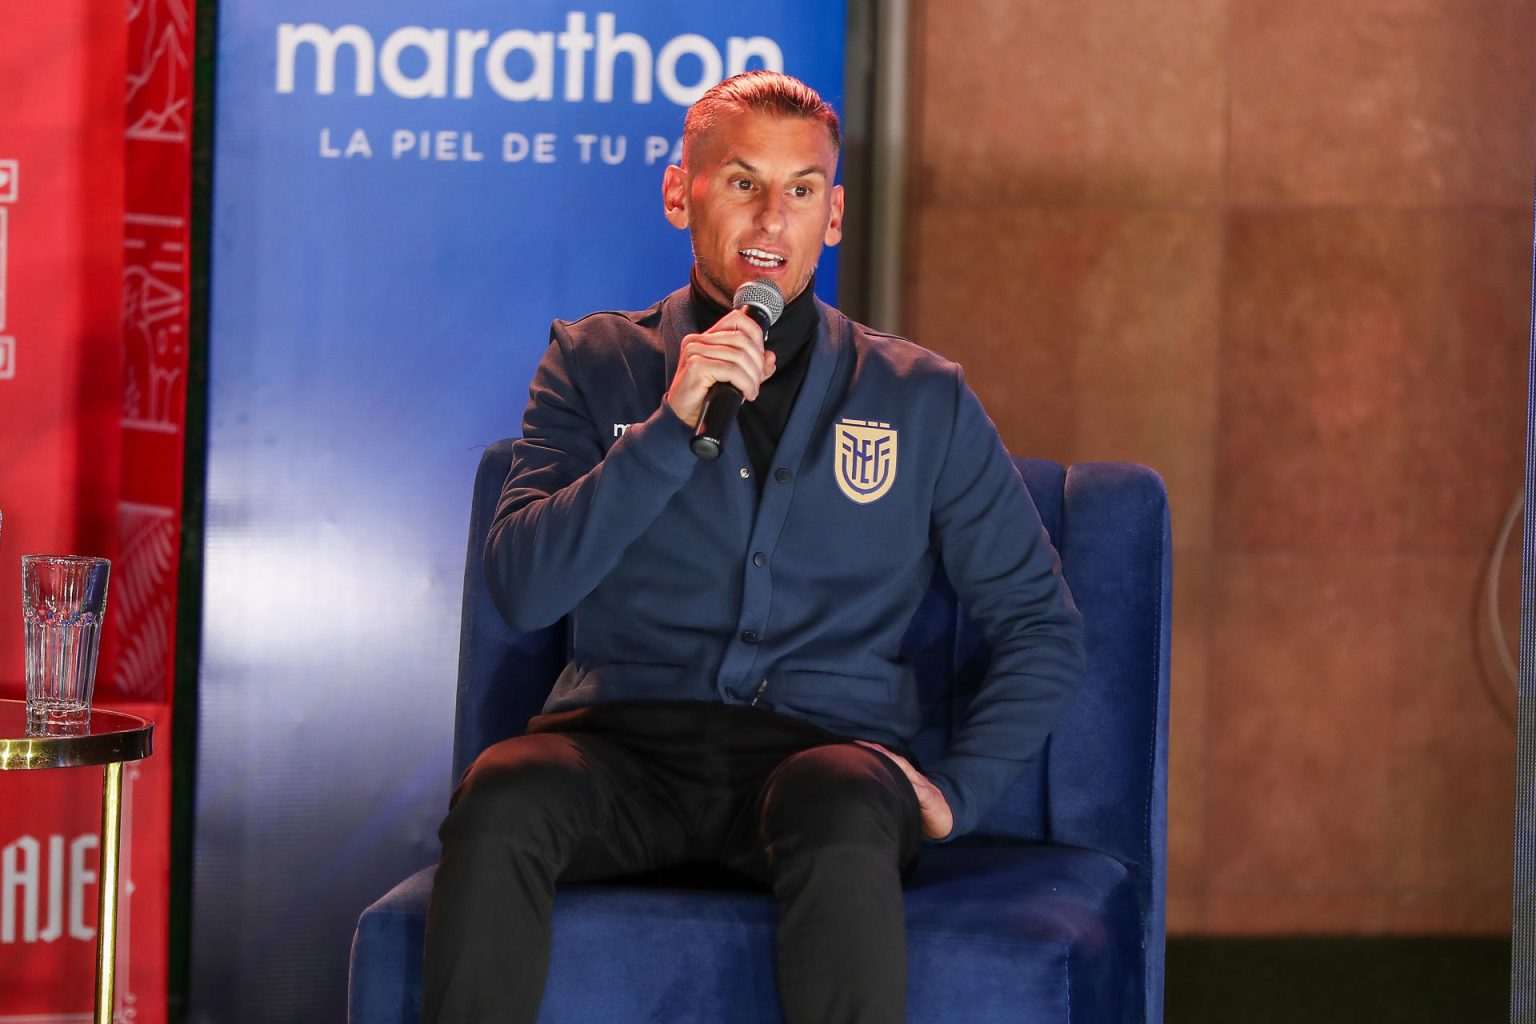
x=719, y=410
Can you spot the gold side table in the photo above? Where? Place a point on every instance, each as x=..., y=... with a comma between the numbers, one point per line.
x=110, y=739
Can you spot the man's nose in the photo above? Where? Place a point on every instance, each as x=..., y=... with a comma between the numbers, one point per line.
x=770, y=213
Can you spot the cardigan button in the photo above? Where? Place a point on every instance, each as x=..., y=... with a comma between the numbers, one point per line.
x=782, y=475
x=759, y=559
x=748, y=637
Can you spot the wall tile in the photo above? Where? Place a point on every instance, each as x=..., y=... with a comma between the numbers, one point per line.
x=1187, y=778
x=1453, y=753
x=998, y=294
x=1297, y=727
x=1382, y=101
x=1465, y=392
x=1318, y=316
x=1094, y=101
x=1344, y=911
x=1155, y=109
x=1186, y=913
x=997, y=117
x=1146, y=356
x=1480, y=910
x=1102, y=321
x=1369, y=388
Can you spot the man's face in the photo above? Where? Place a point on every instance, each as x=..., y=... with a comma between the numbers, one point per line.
x=756, y=195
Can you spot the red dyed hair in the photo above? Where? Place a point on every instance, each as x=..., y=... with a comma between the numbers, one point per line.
x=762, y=92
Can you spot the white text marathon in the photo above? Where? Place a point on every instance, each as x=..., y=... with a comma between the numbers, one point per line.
x=520, y=65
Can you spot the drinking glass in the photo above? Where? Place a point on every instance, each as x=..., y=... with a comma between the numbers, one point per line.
x=63, y=600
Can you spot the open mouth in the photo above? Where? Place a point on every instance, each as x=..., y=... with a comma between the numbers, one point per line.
x=759, y=258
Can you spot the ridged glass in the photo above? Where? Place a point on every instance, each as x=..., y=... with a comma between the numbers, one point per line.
x=63, y=601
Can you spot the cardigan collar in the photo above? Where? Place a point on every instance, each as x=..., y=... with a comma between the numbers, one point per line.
x=830, y=348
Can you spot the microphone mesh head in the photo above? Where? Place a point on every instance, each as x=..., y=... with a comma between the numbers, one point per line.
x=763, y=294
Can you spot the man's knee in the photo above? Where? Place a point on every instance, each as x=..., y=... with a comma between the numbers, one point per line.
x=535, y=790
x=839, y=795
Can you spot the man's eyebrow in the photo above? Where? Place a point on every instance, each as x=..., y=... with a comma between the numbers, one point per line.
x=803, y=172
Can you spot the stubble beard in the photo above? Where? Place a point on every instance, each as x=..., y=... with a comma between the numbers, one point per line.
x=708, y=274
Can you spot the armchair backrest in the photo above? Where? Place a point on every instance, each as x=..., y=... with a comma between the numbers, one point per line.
x=1101, y=782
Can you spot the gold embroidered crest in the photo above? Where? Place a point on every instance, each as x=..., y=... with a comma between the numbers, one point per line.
x=865, y=460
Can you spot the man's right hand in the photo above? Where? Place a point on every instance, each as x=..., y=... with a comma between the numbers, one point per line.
x=730, y=351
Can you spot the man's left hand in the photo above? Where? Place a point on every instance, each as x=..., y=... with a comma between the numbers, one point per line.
x=937, y=818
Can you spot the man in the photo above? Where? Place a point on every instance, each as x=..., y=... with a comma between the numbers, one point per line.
x=736, y=693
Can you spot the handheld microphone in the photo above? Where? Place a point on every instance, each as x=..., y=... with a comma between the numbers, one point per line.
x=764, y=303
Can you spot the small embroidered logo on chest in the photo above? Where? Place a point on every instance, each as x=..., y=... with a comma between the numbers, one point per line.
x=865, y=462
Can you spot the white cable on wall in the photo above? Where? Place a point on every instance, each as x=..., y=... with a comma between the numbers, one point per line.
x=1495, y=563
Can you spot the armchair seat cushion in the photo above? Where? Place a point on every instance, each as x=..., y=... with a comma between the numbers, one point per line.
x=995, y=932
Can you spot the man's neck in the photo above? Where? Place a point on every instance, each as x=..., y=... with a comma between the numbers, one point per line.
x=794, y=327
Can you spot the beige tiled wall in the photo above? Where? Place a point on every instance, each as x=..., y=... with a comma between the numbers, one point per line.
x=1280, y=251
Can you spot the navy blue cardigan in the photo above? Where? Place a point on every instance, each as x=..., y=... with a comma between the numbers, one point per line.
x=683, y=583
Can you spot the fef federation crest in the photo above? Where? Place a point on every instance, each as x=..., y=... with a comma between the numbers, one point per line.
x=866, y=459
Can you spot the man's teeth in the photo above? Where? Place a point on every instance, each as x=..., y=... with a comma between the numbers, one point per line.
x=758, y=258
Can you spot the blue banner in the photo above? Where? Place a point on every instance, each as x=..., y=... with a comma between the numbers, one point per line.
x=404, y=196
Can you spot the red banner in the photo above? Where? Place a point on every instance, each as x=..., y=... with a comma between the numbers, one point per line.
x=156, y=239
x=61, y=230
x=93, y=280
x=94, y=248
x=50, y=824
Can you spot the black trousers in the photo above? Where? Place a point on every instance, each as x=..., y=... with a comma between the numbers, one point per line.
x=828, y=825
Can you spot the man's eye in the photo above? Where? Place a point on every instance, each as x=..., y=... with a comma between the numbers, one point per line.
x=801, y=191
x=741, y=184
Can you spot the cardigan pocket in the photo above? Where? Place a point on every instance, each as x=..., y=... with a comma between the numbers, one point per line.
x=591, y=682
x=829, y=691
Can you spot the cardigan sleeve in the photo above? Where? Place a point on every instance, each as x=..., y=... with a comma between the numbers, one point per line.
x=1008, y=577
x=567, y=512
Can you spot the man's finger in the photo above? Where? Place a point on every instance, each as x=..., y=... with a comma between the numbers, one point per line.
x=901, y=762
x=738, y=321
x=933, y=807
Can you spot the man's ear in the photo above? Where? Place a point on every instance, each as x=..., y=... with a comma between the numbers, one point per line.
x=674, y=196
x=834, y=232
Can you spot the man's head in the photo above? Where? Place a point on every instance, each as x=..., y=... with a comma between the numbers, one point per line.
x=762, y=92
x=755, y=189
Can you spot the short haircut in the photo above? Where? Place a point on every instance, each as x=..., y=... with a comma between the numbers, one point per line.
x=762, y=92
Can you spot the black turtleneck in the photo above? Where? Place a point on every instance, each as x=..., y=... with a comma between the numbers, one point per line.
x=762, y=422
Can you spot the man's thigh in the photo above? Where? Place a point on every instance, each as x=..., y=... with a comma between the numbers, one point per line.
x=585, y=804
x=832, y=795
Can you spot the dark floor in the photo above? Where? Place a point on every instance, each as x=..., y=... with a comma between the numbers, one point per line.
x=1323, y=980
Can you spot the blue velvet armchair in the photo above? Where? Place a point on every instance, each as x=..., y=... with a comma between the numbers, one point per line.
x=1051, y=912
